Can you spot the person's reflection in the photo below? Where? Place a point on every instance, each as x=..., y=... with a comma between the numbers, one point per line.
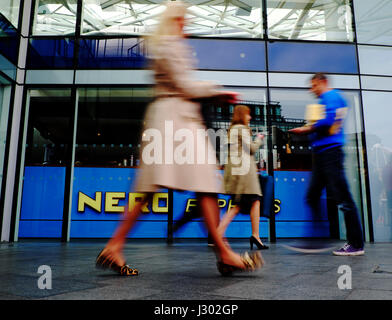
x=49, y=155
x=380, y=167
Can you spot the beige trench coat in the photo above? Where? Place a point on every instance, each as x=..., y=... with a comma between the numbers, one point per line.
x=241, y=155
x=173, y=115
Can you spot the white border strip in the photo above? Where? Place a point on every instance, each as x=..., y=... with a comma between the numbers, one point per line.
x=49, y=77
x=301, y=80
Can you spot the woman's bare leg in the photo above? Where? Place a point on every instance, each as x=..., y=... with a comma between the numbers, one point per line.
x=209, y=207
x=114, y=247
x=227, y=218
x=255, y=219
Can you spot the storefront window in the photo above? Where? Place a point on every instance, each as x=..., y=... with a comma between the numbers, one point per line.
x=52, y=17
x=48, y=137
x=292, y=156
x=5, y=95
x=328, y=20
x=377, y=105
x=109, y=128
x=219, y=119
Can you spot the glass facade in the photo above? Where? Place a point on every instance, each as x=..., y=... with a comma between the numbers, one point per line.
x=9, y=42
x=5, y=96
x=50, y=53
x=372, y=21
x=321, y=20
x=208, y=18
x=112, y=53
x=87, y=86
x=53, y=17
x=48, y=141
x=10, y=11
x=293, y=164
x=379, y=147
x=312, y=57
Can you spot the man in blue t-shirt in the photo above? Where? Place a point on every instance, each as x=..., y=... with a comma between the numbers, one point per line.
x=327, y=140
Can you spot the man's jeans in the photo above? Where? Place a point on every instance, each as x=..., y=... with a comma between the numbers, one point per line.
x=328, y=171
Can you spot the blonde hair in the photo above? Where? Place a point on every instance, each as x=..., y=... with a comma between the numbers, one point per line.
x=167, y=24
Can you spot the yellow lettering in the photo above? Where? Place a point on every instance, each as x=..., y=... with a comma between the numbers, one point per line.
x=111, y=201
x=221, y=203
x=84, y=200
x=277, y=205
x=137, y=197
x=155, y=203
x=231, y=205
x=190, y=203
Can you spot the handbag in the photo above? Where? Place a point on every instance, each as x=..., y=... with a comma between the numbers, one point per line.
x=267, y=189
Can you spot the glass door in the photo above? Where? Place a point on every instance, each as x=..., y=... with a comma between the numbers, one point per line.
x=47, y=140
x=292, y=157
x=5, y=94
x=219, y=118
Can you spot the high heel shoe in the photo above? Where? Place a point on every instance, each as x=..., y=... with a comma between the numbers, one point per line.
x=260, y=246
x=105, y=262
x=252, y=261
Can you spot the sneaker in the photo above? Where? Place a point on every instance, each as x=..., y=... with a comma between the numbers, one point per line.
x=349, y=250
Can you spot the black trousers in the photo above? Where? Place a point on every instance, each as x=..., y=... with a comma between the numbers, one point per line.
x=328, y=171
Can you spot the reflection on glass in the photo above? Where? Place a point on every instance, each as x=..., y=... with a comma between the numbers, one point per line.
x=312, y=57
x=112, y=53
x=10, y=10
x=294, y=151
x=218, y=117
x=372, y=60
x=4, y=110
x=328, y=20
x=291, y=152
x=210, y=54
x=353, y=151
x=223, y=54
x=373, y=21
x=52, y=17
x=379, y=154
x=50, y=53
x=48, y=129
x=109, y=126
x=9, y=41
x=210, y=18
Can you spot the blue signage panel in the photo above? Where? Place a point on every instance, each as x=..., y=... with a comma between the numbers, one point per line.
x=294, y=218
x=100, y=197
x=42, y=202
x=99, y=200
